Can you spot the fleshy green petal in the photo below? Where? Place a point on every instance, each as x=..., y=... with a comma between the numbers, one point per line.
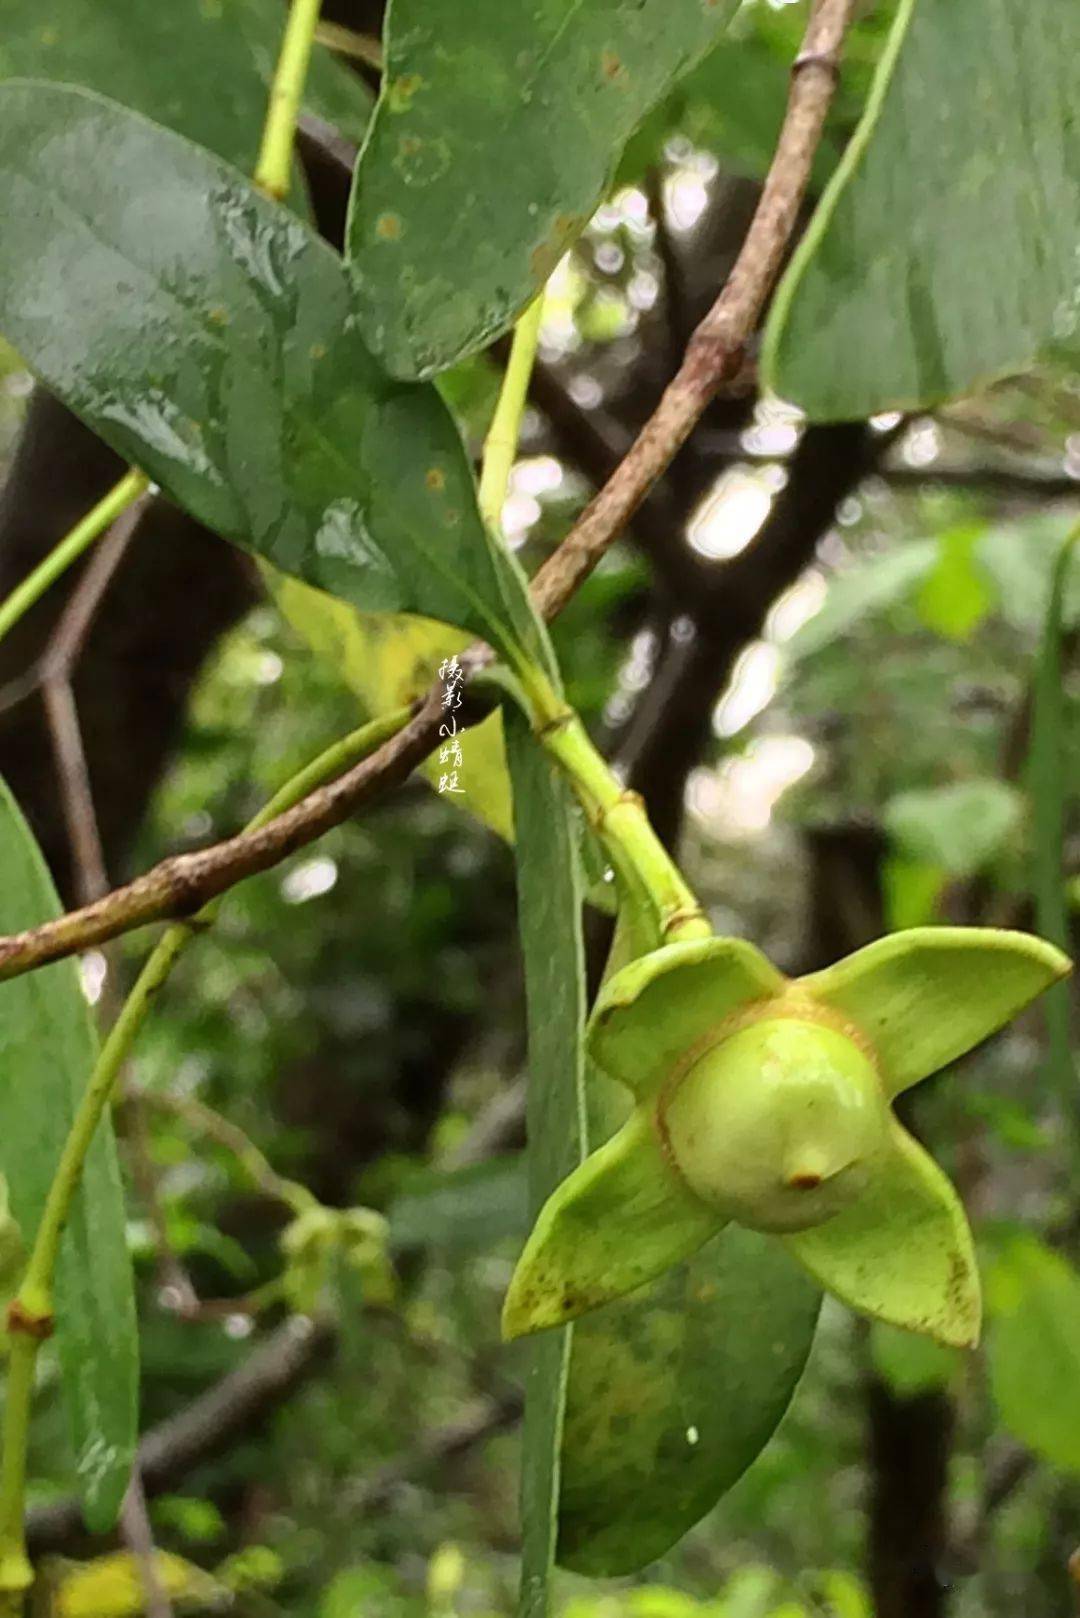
x=926, y=996
x=903, y=1253
x=619, y=1220
x=655, y=1009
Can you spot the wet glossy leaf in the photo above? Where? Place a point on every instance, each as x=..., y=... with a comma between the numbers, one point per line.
x=673, y=1393
x=943, y=255
x=388, y=659
x=494, y=140
x=549, y=920
x=199, y=69
x=207, y=335
x=1033, y=1299
x=48, y=1047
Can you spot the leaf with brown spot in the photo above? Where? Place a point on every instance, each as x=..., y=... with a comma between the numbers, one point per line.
x=532, y=106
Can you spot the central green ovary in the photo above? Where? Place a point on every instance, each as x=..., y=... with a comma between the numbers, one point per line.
x=779, y=1125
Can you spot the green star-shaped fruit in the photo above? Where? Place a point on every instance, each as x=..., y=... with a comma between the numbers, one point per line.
x=768, y=1101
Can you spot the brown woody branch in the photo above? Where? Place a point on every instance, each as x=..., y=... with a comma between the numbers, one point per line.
x=717, y=350
x=178, y=887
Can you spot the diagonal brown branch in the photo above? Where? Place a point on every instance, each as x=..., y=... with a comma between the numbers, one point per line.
x=180, y=886
x=717, y=350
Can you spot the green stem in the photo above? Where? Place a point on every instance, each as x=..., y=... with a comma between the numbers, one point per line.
x=648, y=876
x=82, y=536
x=1048, y=784
x=16, y=1575
x=645, y=868
x=273, y=171
x=500, y=446
x=33, y=1305
x=255, y=1164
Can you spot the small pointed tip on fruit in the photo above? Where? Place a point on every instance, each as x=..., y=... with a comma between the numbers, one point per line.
x=807, y=1169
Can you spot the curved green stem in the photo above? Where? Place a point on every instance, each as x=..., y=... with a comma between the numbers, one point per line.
x=500, y=445
x=30, y=1316
x=273, y=170
x=254, y=1162
x=70, y=548
x=649, y=879
x=646, y=870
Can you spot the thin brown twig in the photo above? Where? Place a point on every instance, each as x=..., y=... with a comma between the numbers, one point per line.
x=90, y=879
x=179, y=886
x=54, y=675
x=176, y=1290
x=347, y=42
x=138, y=1537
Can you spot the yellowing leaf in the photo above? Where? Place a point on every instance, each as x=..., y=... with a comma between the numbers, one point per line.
x=390, y=658
x=111, y=1587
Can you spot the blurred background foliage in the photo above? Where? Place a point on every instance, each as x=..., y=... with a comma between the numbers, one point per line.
x=815, y=656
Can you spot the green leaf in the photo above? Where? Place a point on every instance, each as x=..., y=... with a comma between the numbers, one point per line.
x=461, y=1209
x=208, y=336
x=943, y=254
x=618, y=1221
x=1033, y=1300
x=549, y=920
x=49, y=1048
x=903, y=1252
x=494, y=139
x=958, y=828
x=929, y=995
x=203, y=70
x=909, y=1362
x=388, y=659
x=673, y=1393
x=911, y=893
x=863, y=590
x=1048, y=784
x=956, y=595
x=658, y=1007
